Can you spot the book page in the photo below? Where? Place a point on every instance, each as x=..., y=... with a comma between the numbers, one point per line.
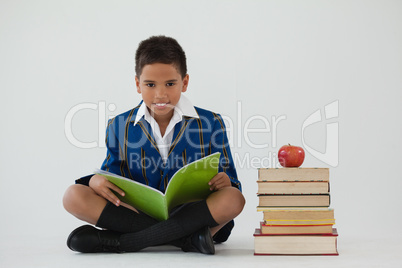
x=190, y=183
x=143, y=197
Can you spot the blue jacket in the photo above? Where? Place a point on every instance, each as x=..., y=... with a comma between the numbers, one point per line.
x=132, y=151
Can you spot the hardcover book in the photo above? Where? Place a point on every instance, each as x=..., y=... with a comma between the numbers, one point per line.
x=287, y=187
x=266, y=228
x=286, y=200
x=317, y=244
x=293, y=174
x=297, y=214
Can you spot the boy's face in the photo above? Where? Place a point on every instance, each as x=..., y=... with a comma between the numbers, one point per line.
x=161, y=86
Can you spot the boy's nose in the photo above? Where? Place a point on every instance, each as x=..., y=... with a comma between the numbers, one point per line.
x=160, y=92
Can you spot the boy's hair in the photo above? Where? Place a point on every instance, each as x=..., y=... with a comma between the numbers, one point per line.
x=160, y=49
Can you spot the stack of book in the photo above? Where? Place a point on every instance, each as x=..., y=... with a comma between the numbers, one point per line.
x=297, y=218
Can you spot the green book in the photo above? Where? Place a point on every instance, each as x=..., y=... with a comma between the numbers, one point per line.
x=189, y=183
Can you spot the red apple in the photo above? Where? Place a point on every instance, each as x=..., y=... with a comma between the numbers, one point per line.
x=291, y=156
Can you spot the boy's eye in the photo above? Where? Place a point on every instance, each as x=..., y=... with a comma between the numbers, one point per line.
x=170, y=84
x=150, y=85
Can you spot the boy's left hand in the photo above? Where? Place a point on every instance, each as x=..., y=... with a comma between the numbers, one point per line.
x=219, y=181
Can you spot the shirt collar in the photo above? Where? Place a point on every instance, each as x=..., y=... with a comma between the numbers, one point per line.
x=183, y=108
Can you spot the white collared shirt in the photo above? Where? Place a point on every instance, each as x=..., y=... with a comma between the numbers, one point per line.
x=183, y=108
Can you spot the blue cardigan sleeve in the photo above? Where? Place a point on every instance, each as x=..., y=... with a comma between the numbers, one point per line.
x=113, y=161
x=220, y=143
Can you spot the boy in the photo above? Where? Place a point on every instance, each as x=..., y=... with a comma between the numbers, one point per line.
x=149, y=144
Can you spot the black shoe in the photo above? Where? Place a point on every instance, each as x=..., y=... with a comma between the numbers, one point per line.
x=200, y=241
x=88, y=239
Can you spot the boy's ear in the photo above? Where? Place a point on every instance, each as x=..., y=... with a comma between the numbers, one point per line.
x=137, y=84
x=185, y=83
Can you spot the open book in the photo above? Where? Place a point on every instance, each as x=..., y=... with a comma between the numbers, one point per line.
x=189, y=183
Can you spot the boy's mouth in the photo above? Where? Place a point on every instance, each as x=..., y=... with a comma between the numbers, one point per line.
x=161, y=104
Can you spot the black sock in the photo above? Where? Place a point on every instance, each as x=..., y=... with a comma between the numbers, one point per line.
x=123, y=220
x=183, y=223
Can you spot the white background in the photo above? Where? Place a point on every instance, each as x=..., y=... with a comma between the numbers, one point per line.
x=271, y=58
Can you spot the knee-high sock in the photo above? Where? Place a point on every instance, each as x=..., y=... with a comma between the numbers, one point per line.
x=183, y=223
x=123, y=220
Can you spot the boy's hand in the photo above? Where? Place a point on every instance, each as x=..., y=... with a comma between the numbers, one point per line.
x=103, y=188
x=219, y=181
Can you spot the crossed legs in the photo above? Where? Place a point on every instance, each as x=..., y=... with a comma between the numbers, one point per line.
x=219, y=208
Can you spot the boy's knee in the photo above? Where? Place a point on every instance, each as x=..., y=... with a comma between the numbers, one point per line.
x=233, y=202
x=237, y=200
x=72, y=197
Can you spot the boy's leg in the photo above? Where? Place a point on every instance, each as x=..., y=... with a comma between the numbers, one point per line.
x=225, y=205
x=82, y=202
x=186, y=221
x=219, y=208
x=183, y=223
x=123, y=220
x=86, y=205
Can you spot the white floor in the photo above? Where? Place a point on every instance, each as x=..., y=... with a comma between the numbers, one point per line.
x=16, y=251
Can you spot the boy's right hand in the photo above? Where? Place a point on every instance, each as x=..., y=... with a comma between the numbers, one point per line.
x=104, y=188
